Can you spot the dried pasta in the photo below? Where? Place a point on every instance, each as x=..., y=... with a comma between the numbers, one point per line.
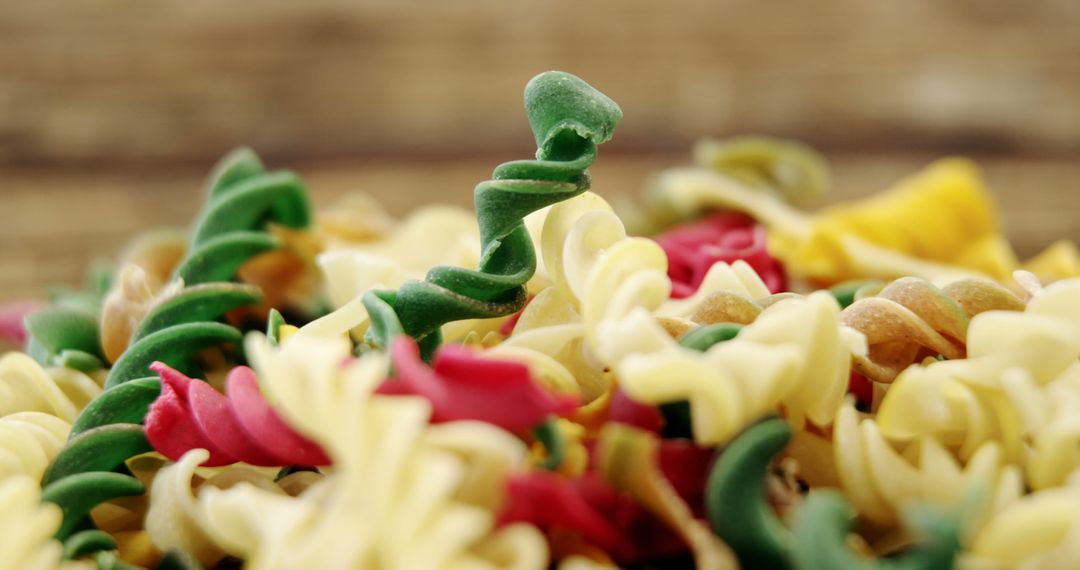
x=542, y=388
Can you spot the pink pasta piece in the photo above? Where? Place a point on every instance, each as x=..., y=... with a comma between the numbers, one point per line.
x=12, y=330
x=548, y=500
x=507, y=328
x=686, y=466
x=170, y=426
x=239, y=427
x=624, y=410
x=590, y=507
x=463, y=386
x=262, y=422
x=693, y=248
x=213, y=413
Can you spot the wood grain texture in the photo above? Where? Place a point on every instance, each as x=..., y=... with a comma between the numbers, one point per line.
x=133, y=81
x=58, y=220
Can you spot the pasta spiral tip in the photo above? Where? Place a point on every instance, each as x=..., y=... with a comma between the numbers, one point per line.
x=569, y=120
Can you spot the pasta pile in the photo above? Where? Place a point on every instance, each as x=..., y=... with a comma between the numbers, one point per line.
x=730, y=383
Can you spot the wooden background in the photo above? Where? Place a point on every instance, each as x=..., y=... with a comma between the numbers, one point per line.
x=111, y=111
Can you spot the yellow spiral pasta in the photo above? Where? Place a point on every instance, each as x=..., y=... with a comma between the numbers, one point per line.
x=27, y=526
x=881, y=482
x=1019, y=386
x=1040, y=531
x=598, y=274
x=795, y=356
x=28, y=443
x=173, y=518
x=938, y=222
x=26, y=386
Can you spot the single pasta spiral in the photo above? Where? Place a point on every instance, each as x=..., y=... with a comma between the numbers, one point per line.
x=26, y=526
x=28, y=443
x=911, y=319
x=190, y=414
x=569, y=119
x=26, y=386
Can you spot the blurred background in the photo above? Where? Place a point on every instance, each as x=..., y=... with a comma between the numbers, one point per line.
x=112, y=112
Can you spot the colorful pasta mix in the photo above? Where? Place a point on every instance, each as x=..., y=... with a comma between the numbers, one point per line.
x=877, y=384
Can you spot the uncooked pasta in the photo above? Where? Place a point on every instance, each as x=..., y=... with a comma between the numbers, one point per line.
x=729, y=383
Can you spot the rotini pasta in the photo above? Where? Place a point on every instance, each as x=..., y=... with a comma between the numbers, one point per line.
x=882, y=482
x=569, y=120
x=556, y=393
x=1019, y=387
x=26, y=526
x=26, y=386
x=795, y=355
x=28, y=443
x=910, y=320
x=240, y=427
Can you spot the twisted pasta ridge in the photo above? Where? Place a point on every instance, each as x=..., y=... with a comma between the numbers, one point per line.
x=1009, y=539
x=82, y=474
x=26, y=526
x=28, y=443
x=241, y=199
x=735, y=497
x=910, y=319
x=179, y=326
x=26, y=386
x=569, y=119
x=64, y=336
x=173, y=520
x=793, y=171
x=239, y=427
x=794, y=358
x=881, y=482
x=1019, y=387
x=461, y=386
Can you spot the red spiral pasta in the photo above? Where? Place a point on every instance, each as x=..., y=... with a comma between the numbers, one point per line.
x=693, y=248
x=239, y=426
x=462, y=386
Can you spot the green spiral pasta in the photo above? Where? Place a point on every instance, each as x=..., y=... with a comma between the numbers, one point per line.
x=65, y=336
x=109, y=430
x=180, y=326
x=241, y=199
x=569, y=119
x=735, y=497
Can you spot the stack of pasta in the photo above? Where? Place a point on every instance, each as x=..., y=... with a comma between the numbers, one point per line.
x=879, y=383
